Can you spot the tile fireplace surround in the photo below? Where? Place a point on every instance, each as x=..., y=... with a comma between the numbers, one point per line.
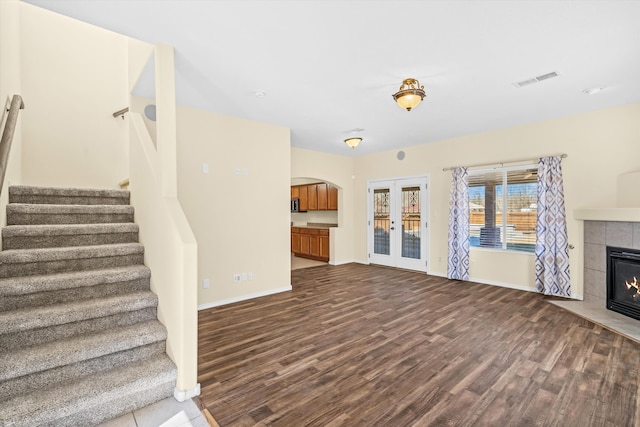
x=598, y=234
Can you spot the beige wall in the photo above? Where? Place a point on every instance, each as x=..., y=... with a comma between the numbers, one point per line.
x=74, y=76
x=601, y=145
x=10, y=84
x=241, y=221
x=337, y=170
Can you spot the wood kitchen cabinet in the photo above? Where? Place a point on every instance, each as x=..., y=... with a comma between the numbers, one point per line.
x=314, y=243
x=295, y=240
x=304, y=199
x=312, y=195
x=324, y=244
x=310, y=243
x=321, y=190
x=304, y=243
x=316, y=197
x=332, y=198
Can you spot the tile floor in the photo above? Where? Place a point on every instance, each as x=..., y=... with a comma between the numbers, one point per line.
x=617, y=322
x=298, y=262
x=165, y=413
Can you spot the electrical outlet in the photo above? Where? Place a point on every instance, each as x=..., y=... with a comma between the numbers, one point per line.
x=237, y=171
x=236, y=277
x=244, y=276
x=205, y=283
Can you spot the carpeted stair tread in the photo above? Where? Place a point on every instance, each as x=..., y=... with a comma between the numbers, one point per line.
x=27, y=360
x=31, y=214
x=42, y=317
x=52, y=195
x=94, y=398
x=67, y=229
x=21, y=256
x=44, y=379
x=52, y=282
x=60, y=235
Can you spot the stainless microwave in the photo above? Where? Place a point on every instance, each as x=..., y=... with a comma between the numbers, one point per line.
x=295, y=205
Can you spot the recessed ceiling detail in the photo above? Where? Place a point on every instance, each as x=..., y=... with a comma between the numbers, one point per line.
x=537, y=79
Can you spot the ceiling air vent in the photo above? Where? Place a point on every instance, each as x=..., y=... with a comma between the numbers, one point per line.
x=536, y=79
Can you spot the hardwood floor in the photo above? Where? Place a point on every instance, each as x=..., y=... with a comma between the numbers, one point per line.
x=357, y=345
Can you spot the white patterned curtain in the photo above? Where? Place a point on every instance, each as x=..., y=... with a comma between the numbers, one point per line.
x=552, y=246
x=458, y=259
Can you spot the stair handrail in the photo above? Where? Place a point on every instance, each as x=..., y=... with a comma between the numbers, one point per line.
x=121, y=113
x=17, y=104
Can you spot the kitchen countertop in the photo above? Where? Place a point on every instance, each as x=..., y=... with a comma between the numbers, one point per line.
x=318, y=225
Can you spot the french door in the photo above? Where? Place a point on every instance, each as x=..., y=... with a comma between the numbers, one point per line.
x=397, y=223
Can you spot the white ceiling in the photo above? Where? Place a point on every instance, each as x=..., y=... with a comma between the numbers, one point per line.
x=328, y=67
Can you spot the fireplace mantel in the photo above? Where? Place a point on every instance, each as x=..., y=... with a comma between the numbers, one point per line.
x=608, y=214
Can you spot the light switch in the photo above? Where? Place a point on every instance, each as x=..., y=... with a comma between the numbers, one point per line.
x=205, y=168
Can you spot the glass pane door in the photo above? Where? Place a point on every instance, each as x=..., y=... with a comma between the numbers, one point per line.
x=381, y=221
x=411, y=222
x=397, y=224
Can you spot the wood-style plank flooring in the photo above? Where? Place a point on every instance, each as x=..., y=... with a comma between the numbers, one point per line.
x=358, y=345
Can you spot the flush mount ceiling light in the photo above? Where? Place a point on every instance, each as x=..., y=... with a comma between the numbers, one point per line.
x=410, y=94
x=353, y=142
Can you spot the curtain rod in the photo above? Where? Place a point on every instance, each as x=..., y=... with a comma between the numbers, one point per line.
x=500, y=164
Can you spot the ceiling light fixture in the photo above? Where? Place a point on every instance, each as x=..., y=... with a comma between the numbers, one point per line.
x=410, y=94
x=353, y=142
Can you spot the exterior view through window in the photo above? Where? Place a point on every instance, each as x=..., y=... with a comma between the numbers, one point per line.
x=502, y=208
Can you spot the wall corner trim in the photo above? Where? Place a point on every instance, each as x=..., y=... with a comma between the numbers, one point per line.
x=182, y=395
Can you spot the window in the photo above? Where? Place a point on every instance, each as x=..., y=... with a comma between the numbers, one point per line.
x=502, y=219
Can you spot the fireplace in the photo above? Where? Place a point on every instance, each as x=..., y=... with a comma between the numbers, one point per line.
x=623, y=281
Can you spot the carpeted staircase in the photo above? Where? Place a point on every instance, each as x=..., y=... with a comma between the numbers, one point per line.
x=80, y=342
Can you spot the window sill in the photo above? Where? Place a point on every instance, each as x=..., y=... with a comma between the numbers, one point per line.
x=505, y=251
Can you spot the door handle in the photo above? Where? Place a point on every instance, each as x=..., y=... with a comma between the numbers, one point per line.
x=393, y=228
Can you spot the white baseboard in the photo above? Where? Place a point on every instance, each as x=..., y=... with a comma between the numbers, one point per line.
x=244, y=298
x=502, y=284
x=352, y=261
x=431, y=273
x=490, y=282
x=182, y=395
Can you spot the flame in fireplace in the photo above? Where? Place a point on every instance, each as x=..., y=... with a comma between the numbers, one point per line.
x=635, y=285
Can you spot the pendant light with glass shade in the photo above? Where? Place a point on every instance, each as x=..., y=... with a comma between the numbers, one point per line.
x=353, y=142
x=410, y=94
